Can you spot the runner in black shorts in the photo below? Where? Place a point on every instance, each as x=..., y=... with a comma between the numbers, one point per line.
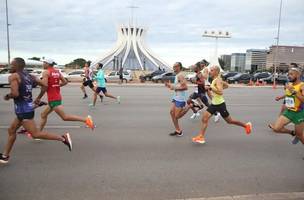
x=88, y=80
x=199, y=98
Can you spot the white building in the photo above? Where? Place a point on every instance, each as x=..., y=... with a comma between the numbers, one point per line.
x=255, y=59
x=131, y=53
x=238, y=62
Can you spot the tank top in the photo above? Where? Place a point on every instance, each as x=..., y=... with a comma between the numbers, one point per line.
x=216, y=99
x=53, y=91
x=24, y=102
x=180, y=96
x=291, y=101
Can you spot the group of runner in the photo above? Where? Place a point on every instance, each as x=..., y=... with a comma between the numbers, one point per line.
x=181, y=105
x=22, y=83
x=292, y=110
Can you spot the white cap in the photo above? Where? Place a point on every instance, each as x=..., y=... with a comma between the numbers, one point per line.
x=49, y=61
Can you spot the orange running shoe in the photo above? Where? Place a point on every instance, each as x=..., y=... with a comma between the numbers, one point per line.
x=89, y=122
x=248, y=128
x=199, y=139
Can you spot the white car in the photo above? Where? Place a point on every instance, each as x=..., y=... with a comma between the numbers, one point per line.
x=190, y=76
x=114, y=76
x=75, y=76
x=4, y=74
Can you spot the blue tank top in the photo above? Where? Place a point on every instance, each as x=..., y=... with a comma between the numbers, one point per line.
x=24, y=102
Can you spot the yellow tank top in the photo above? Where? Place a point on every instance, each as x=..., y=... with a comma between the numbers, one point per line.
x=217, y=99
x=291, y=101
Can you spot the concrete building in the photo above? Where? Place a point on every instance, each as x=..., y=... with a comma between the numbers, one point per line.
x=255, y=60
x=131, y=52
x=238, y=62
x=227, y=61
x=286, y=55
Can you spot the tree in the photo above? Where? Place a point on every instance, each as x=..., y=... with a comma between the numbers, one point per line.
x=35, y=58
x=77, y=63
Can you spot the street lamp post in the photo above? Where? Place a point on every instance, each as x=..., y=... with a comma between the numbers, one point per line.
x=216, y=35
x=7, y=34
x=277, y=47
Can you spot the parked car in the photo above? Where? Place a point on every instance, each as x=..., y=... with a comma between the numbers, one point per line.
x=149, y=77
x=281, y=79
x=114, y=76
x=260, y=75
x=190, y=77
x=239, y=78
x=167, y=76
x=227, y=75
x=5, y=73
x=75, y=76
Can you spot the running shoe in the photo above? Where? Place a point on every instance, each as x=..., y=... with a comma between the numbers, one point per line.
x=42, y=103
x=193, y=116
x=3, y=159
x=101, y=98
x=175, y=133
x=198, y=114
x=89, y=122
x=295, y=140
x=68, y=141
x=248, y=128
x=22, y=131
x=199, y=139
x=180, y=134
x=217, y=117
x=118, y=99
x=85, y=96
x=196, y=103
x=91, y=105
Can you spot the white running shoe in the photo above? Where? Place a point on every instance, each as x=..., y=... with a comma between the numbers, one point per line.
x=118, y=99
x=198, y=114
x=193, y=116
x=217, y=118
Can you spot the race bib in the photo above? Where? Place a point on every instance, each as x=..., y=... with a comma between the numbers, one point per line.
x=290, y=102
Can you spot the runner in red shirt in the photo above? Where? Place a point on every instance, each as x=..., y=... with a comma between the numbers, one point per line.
x=54, y=80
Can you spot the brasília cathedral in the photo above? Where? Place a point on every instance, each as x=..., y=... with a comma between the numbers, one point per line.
x=131, y=52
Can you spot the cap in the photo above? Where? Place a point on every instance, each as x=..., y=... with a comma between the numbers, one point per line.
x=49, y=61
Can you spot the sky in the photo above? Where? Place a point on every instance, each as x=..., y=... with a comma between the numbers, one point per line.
x=68, y=29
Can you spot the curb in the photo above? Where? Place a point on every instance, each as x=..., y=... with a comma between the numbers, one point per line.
x=270, y=196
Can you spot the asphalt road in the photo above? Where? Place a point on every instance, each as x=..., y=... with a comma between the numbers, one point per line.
x=131, y=156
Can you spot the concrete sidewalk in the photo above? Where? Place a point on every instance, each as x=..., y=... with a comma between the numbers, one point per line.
x=270, y=196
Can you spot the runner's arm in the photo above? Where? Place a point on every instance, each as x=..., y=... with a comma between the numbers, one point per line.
x=63, y=81
x=219, y=87
x=13, y=80
x=225, y=85
x=44, y=82
x=280, y=97
x=182, y=84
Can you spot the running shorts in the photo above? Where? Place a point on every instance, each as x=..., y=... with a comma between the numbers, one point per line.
x=294, y=117
x=101, y=89
x=54, y=104
x=23, y=116
x=88, y=83
x=202, y=96
x=179, y=104
x=221, y=108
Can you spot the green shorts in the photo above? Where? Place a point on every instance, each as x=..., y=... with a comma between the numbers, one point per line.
x=294, y=117
x=54, y=104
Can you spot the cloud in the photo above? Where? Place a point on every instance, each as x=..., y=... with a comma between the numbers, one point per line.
x=69, y=29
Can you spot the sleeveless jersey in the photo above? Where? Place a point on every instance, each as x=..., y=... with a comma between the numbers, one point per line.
x=53, y=91
x=291, y=101
x=216, y=99
x=180, y=96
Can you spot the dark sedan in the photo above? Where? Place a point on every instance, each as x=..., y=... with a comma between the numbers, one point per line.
x=239, y=78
